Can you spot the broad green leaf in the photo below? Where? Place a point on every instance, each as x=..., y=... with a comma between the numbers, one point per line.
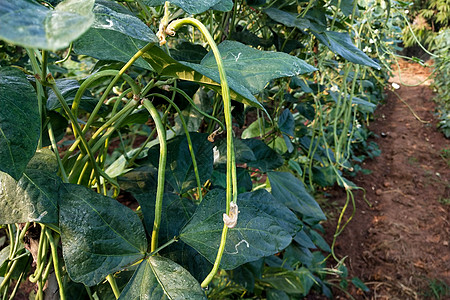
x=253, y=68
x=223, y=5
x=20, y=123
x=167, y=66
x=179, y=167
x=99, y=235
x=318, y=240
x=188, y=258
x=246, y=274
x=69, y=88
x=286, y=123
x=188, y=52
x=256, y=129
x=176, y=212
x=287, y=18
x=359, y=284
x=196, y=7
x=160, y=278
x=115, y=35
x=364, y=105
x=295, y=256
x=29, y=24
x=140, y=181
x=304, y=240
x=34, y=198
x=266, y=158
x=341, y=44
x=264, y=227
x=295, y=282
x=4, y=255
x=291, y=191
x=307, y=110
x=248, y=70
x=277, y=295
x=280, y=145
x=346, y=6
x=243, y=153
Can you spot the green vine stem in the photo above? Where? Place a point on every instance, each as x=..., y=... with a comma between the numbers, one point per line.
x=64, y=59
x=161, y=170
x=231, y=191
x=188, y=137
x=113, y=284
x=95, y=143
x=55, y=150
x=106, y=73
x=54, y=250
x=76, y=127
x=40, y=89
x=149, y=138
x=118, y=74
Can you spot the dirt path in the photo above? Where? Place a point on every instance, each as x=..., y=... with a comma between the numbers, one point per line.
x=400, y=245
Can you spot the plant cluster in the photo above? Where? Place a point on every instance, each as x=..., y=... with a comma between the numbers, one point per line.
x=427, y=18
x=442, y=78
x=219, y=118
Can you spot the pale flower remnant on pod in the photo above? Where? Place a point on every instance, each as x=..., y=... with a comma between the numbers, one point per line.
x=230, y=220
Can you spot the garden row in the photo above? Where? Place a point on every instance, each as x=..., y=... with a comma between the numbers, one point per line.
x=222, y=120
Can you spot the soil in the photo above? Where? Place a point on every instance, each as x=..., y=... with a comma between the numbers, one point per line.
x=400, y=245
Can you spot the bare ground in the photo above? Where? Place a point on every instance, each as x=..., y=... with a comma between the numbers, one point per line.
x=400, y=245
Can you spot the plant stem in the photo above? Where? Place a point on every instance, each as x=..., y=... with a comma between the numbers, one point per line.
x=189, y=141
x=161, y=170
x=54, y=250
x=55, y=149
x=113, y=284
x=76, y=127
x=231, y=191
x=106, y=73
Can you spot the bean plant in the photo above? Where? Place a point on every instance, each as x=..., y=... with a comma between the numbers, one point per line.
x=214, y=122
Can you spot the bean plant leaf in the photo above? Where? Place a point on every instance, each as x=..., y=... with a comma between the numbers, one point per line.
x=4, y=259
x=341, y=44
x=286, y=123
x=243, y=153
x=19, y=121
x=167, y=66
x=196, y=7
x=179, y=167
x=34, y=197
x=223, y=5
x=188, y=258
x=254, y=68
x=115, y=35
x=29, y=24
x=176, y=212
x=346, y=7
x=266, y=158
x=158, y=277
x=295, y=282
x=291, y=191
x=248, y=70
x=99, y=235
x=264, y=227
x=287, y=18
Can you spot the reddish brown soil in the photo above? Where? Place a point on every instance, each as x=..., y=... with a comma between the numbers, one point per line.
x=401, y=244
